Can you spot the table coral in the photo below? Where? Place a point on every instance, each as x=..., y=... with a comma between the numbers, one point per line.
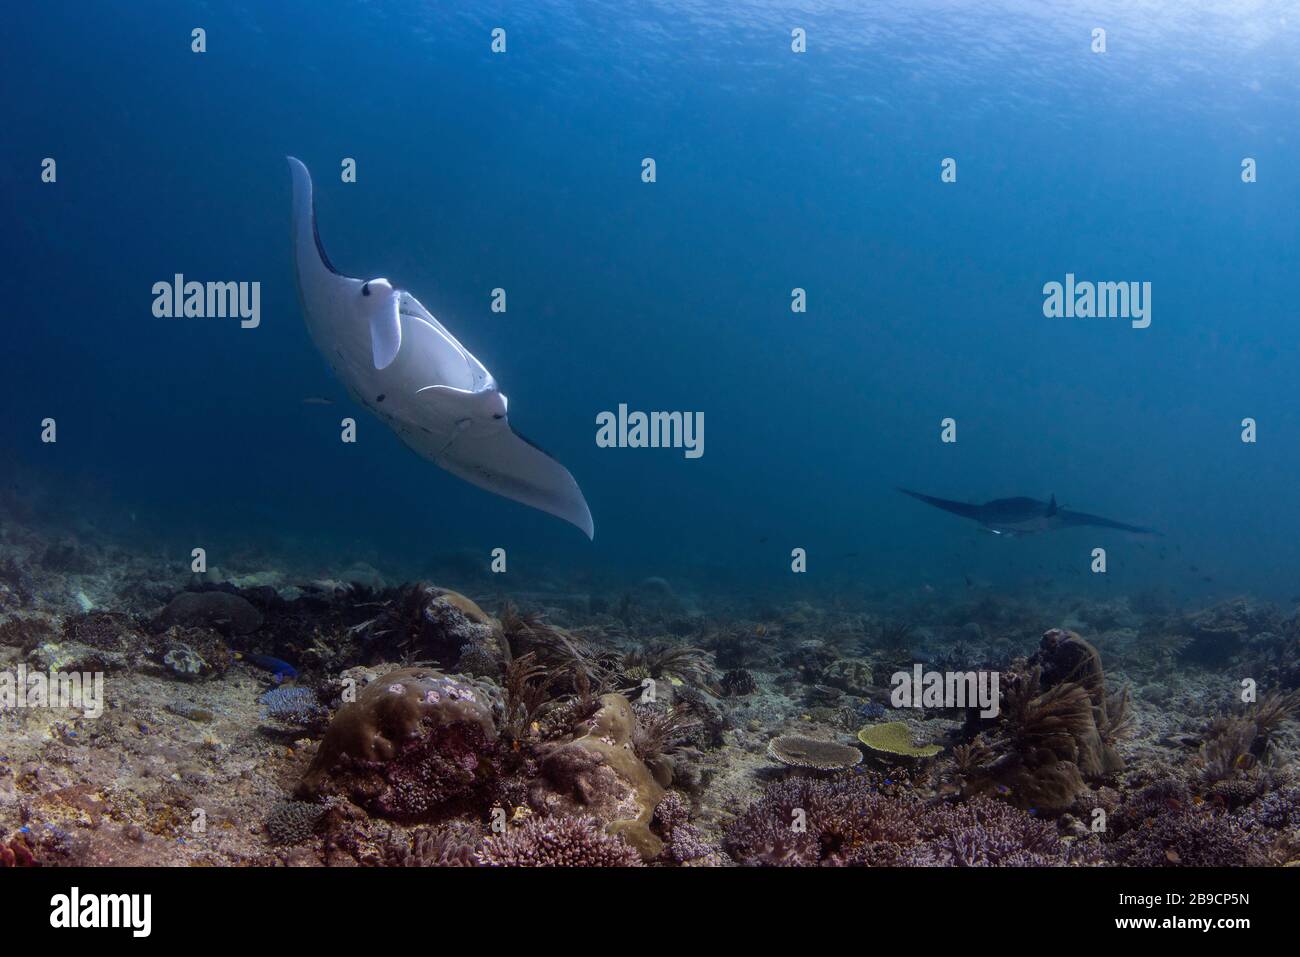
x=803, y=752
x=894, y=739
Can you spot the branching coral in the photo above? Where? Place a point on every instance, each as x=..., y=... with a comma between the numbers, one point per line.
x=683, y=843
x=558, y=842
x=293, y=705
x=860, y=819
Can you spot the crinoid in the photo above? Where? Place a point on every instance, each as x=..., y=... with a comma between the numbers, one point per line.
x=667, y=660
x=662, y=730
x=576, y=664
x=1045, y=744
x=1235, y=744
x=526, y=690
x=893, y=635
x=1226, y=748
x=1274, y=708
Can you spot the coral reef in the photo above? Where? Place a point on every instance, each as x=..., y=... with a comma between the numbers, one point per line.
x=866, y=820
x=589, y=723
x=293, y=822
x=414, y=744
x=229, y=613
x=558, y=842
x=894, y=740
x=802, y=752
x=598, y=773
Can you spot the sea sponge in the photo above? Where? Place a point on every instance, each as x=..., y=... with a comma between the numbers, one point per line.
x=895, y=738
x=415, y=744
x=802, y=752
x=598, y=773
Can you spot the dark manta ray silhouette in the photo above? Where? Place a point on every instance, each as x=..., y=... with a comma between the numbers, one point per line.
x=1022, y=516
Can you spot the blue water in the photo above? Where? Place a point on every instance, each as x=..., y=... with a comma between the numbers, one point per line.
x=775, y=170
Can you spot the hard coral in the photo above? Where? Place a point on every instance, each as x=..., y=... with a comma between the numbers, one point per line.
x=1165, y=825
x=894, y=739
x=427, y=622
x=224, y=611
x=292, y=704
x=292, y=822
x=802, y=752
x=683, y=843
x=598, y=772
x=414, y=744
x=558, y=842
x=865, y=820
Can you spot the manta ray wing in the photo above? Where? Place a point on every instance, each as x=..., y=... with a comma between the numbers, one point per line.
x=1070, y=518
x=963, y=509
x=506, y=463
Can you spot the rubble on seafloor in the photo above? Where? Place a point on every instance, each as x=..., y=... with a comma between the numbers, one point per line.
x=268, y=717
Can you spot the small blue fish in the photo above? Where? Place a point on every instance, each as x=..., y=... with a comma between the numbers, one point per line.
x=280, y=670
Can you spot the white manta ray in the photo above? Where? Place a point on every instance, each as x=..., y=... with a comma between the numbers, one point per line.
x=405, y=367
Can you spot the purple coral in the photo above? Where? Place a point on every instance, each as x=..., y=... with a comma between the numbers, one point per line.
x=447, y=765
x=863, y=820
x=683, y=842
x=558, y=842
x=1164, y=825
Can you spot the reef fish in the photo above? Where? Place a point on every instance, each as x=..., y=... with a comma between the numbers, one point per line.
x=1023, y=516
x=403, y=365
x=281, y=670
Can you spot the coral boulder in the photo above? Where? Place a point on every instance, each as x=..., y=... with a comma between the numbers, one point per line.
x=415, y=745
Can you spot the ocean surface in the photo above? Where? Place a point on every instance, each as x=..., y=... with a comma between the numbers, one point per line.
x=775, y=170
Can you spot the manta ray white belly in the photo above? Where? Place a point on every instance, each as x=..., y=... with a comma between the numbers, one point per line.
x=398, y=361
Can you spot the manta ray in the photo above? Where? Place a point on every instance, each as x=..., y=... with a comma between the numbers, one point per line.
x=1023, y=516
x=403, y=365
